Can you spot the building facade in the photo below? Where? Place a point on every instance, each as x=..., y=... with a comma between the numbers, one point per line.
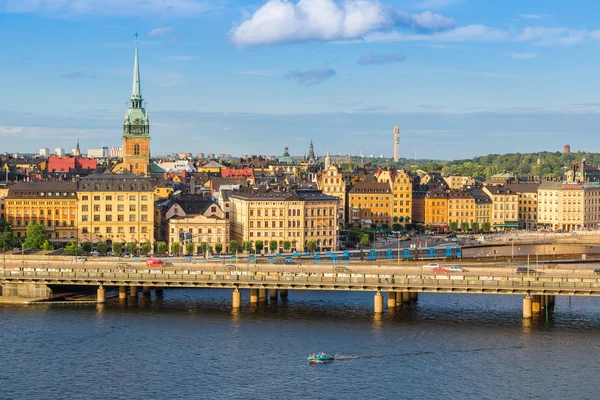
x=52, y=204
x=461, y=209
x=370, y=201
x=209, y=226
x=116, y=208
x=436, y=209
x=296, y=216
x=331, y=182
x=548, y=205
x=505, y=207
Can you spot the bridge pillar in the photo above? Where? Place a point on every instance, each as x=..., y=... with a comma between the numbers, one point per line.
x=414, y=296
x=158, y=290
x=122, y=292
x=378, y=306
x=527, y=307
x=147, y=290
x=133, y=291
x=274, y=294
x=101, y=295
x=391, y=299
x=262, y=294
x=406, y=297
x=236, y=299
x=253, y=296
x=283, y=293
x=552, y=300
x=536, y=304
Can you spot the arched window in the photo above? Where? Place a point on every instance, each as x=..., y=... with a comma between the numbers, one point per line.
x=136, y=150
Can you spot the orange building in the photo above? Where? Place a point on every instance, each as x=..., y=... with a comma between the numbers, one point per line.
x=370, y=201
x=436, y=209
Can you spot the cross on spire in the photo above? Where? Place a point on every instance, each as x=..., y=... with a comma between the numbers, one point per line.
x=136, y=35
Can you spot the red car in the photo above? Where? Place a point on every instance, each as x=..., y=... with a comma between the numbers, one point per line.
x=439, y=270
x=157, y=262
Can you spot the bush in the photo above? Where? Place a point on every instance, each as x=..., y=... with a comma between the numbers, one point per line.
x=161, y=247
x=132, y=248
x=146, y=247
x=189, y=248
x=259, y=245
x=233, y=247
x=486, y=226
x=102, y=248
x=311, y=245
x=175, y=248
x=247, y=246
x=287, y=245
x=117, y=248
x=203, y=248
x=86, y=247
x=273, y=245
x=218, y=248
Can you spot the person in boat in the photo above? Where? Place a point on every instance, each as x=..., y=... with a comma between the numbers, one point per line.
x=314, y=355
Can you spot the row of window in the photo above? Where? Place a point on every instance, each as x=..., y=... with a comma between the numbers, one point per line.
x=109, y=207
x=120, y=218
x=48, y=212
x=119, y=198
x=120, y=229
x=291, y=234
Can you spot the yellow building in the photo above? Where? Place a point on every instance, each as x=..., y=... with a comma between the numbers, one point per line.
x=3, y=194
x=457, y=182
x=505, y=207
x=483, y=207
x=331, y=182
x=370, y=203
x=296, y=216
x=402, y=206
x=52, y=204
x=548, y=205
x=461, y=209
x=162, y=192
x=116, y=208
x=209, y=226
x=528, y=204
x=436, y=209
x=211, y=166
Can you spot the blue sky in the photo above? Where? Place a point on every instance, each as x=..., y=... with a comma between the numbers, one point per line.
x=460, y=77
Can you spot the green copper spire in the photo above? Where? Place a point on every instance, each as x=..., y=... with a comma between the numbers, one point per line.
x=136, y=118
x=136, y=93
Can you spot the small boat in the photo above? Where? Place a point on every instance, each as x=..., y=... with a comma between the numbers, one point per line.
x=320, y=358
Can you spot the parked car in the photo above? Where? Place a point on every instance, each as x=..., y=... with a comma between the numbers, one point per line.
x=525, y=270
x=155, y=262
x=110, y=254
x=95, y=253
x=439, y=270
x=79, y=259
x=597, y=271
x=451, y=235
x=456, y=268
x=431, y=265
x=342, y=269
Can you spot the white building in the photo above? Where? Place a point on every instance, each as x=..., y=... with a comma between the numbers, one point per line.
x=98, y=153
x=177, y=166
x=116, y=152
x=60, y=152
x=45, y=152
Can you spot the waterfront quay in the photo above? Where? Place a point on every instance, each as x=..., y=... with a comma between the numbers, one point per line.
x=401, y=282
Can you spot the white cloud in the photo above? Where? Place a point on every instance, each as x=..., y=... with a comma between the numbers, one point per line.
x=556, y=36
x=283, y=21
x=163, y=30
x=426, y=20
x=279, y=21
x=523, y=56
x=532, y=16
x=10, y=130
x=118, y=8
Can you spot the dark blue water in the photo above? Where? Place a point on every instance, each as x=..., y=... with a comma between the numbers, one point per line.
x=189, y=345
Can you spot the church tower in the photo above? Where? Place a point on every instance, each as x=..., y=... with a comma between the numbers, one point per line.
x=136, y=128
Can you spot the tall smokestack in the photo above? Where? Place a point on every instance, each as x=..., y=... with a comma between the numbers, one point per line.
x=396, y=143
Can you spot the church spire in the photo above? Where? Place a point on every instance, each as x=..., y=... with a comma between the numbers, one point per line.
x=136, y=93
x=311, y=151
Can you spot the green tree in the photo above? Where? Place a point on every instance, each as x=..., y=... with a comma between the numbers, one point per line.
x=273, y=246
x=218, y=248
x=475, y=226
x=453, y=226
x=311, y=245
x=102, y=248
x=161, y=248
x=259, y=245
x=364, y=240
x=86, y=247
x=175, y=248
x=430, y=227
x=47, y=246
x=189, y=248
x=373, y=226
x=247, y=246
x=233, y=247
x=287, y=245
x=35, y=237
x=203, y=248
x=117, y=248
x=72, y=249
x=385, y=226
x=132, y=248
x=486, y=226
x=146, y=248
x=8, y=240
x=464, y=227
